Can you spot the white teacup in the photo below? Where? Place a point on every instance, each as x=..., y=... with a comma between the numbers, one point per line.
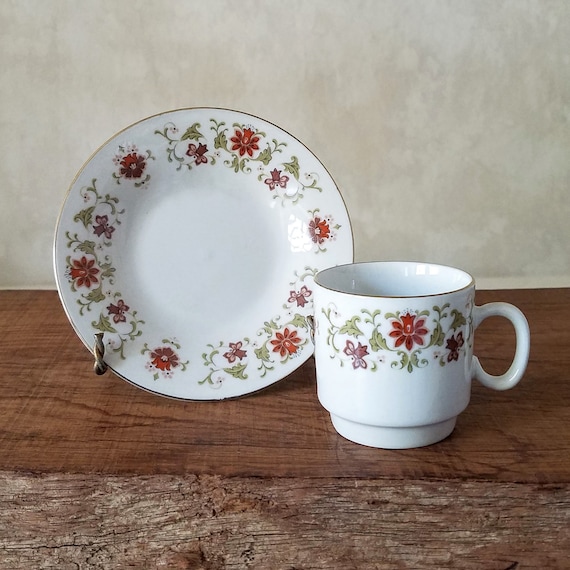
x=394, y=350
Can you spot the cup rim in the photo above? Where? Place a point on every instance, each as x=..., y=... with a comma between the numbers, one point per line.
x=395, y=262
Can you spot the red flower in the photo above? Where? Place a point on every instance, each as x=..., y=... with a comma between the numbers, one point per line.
x=357, y=353
x=245, y=142
x=409, y=331
x=118, y=311
x=300, y=297
x=286, y=343
x=235, y=352
x=319, y=230
x=453, y=345
x=83, y=272
x=276, y=180
x=198, y=153
x=164, y=358
x=103, y=227
x=132, y=165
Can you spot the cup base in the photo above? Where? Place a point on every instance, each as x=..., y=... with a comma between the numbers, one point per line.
x=393, y=437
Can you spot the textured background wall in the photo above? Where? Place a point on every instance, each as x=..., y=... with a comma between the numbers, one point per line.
x=446, y=124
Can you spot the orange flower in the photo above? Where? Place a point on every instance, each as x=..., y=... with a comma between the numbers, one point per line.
x=245, y=142
x=83, y=272
x=319, y=230
x=286, y=343
x=409, y=331
x=164, y=358
x=132, y=165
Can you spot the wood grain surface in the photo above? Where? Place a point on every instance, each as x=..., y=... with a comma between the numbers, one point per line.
x=213, y=523
x=96, y=473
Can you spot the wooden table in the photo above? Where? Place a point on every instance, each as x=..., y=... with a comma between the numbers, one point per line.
x=96, y=473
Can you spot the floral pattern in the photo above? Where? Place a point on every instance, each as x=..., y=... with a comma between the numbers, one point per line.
x=164, y=360
x=454, y=345
x=198, y=153
x=83, y=272
x=95, y=228
x=408, y=330
x=131, y=165
x=274, y=344
x=287, y=342
x=301, y=297
x=403, y=338
x=357, y=353
x=238, y=147
x=235, y=352
x=322, y=229
x=91, y=272
x=118, y=311
x=245, y=141
x=102, y=227
x=276, y=179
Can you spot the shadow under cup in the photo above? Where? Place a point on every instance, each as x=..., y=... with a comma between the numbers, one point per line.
x=394, y=350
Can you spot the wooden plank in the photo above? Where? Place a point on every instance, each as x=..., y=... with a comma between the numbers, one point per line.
x=207, y=522
x=57, y=416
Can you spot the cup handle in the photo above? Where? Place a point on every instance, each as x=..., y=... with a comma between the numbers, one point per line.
x=518, y=366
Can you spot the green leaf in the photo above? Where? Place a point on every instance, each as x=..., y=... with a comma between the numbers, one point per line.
x=371, y=316
x=437, y=336
x=292, y=167
x=351, y=328
x=235, y=163
x=270, y=326
x=299, y=321
x=96, y=295
x=262, y=353
x=440, y=310
x=377, y=341
x=103, y=324
x=192, y=133
x=393, y=315
x=404, y=360
x=87, y=246
x=237, y=371
x=220, y=141
x=415, y=361
x=85, y=216
x=107, y=270
x=265, y=156
x=458, y=319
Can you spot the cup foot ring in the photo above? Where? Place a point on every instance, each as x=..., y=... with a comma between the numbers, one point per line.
x=393, y=437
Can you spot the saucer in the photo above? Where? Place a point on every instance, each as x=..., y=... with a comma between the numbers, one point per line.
x=191, y=240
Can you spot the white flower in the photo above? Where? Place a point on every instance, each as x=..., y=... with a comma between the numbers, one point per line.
x=217, y=381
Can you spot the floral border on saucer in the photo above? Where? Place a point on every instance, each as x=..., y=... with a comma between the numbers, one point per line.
x=239, y=147
x=91, y=272
x=276, y=343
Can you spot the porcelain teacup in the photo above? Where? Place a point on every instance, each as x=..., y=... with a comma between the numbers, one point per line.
x=394, y=350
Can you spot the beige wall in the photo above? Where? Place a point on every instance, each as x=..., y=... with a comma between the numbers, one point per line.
x=446, y=124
